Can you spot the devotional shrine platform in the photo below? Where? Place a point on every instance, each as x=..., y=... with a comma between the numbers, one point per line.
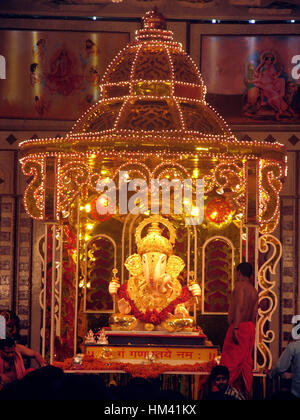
x=153, y=346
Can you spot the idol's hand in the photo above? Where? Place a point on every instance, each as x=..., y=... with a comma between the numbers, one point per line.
x=181, y=310
x=113, y=287
x=164, y=283
x=124, y=307
x=195, y=289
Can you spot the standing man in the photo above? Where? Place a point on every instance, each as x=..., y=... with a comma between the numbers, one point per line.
x=240, y=337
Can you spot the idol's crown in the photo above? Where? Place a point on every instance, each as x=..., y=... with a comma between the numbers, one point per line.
x=154, y=241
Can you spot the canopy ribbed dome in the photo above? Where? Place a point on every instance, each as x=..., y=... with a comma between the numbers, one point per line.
x=152, y=85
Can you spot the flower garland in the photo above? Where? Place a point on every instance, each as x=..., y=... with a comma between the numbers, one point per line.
x=153, y=316
x=151, y=370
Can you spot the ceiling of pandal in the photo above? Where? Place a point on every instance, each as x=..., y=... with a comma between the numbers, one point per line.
x=172, y=9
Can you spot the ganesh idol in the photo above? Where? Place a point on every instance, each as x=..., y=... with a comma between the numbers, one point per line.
x=153, y=298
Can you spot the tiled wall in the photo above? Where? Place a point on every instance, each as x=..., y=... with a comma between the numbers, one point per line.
x=289, y=268
x=15, y=242
x=7, y=263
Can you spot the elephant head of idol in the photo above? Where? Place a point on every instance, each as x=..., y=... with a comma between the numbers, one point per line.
x=155, y=261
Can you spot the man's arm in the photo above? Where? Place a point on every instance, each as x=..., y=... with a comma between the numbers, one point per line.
x=237, y=304
x=26, y=351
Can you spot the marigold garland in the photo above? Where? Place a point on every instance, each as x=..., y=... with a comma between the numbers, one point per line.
x=152, y=370
x=154, y=317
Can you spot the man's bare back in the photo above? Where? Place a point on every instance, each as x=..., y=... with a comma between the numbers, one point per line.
x=243, y=305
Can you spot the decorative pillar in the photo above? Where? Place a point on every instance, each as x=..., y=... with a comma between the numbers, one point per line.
x=50, y=298
x=251, y=225
x=267, y=299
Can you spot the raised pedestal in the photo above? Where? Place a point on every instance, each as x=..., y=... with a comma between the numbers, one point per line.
x=140, y=347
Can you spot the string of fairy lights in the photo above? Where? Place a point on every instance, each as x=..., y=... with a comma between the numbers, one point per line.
x=225, y=169
x=179, y=94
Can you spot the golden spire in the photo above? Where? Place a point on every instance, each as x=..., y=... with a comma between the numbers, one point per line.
x=154, y=20
x=154, y=27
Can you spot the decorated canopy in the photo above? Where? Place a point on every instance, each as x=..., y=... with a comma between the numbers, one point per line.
x=152, y=122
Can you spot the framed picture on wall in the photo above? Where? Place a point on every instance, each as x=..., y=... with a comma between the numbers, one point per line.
x=54, y=74
x=252, y=78
x=54, y=68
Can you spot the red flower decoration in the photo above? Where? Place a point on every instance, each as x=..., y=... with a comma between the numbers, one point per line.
x=135, y=369
x=153, y=316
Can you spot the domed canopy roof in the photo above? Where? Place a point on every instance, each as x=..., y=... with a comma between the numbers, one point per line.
x=153, y=98
x=152, y=85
